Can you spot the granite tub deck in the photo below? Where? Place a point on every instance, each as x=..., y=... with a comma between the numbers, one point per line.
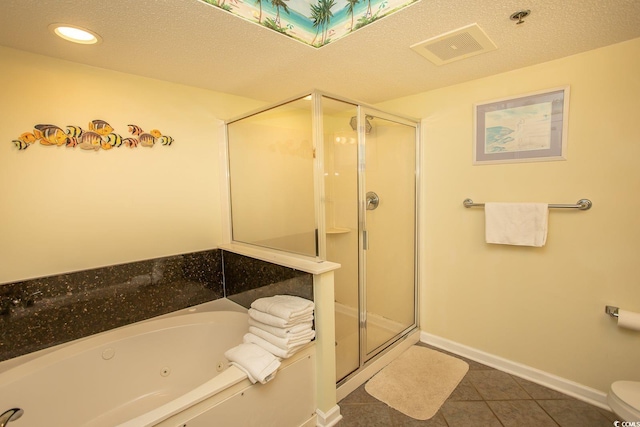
x=44, y=312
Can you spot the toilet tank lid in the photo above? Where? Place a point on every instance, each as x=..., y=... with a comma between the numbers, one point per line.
x=628, y=392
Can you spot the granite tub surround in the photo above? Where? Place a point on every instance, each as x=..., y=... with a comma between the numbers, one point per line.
x=47, y=311
x=44, y=312
x=40, y=313
x=247, y=279
x=301, y=286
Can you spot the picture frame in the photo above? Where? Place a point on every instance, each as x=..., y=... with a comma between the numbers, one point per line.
x=527, y=128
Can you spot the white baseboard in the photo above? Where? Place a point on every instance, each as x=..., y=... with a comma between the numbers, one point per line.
x=554, y=382
x=328, y=419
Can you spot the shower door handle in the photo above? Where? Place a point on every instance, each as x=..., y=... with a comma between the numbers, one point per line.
x=365, y=240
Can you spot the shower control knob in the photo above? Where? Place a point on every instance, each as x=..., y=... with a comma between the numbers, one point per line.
x=372, y=200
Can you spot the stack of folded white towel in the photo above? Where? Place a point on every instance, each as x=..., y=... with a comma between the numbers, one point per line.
x=279, y=326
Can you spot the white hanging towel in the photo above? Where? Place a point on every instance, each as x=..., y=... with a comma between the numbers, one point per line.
x=522, y=224
x=286, y=307
x=259, y=364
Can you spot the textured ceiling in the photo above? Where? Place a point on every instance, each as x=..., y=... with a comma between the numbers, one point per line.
x=189, y=42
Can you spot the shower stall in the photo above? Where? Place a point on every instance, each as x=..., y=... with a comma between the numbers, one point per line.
x=330, y=179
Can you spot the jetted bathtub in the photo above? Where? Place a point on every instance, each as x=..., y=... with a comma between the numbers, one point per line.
x=168, y=371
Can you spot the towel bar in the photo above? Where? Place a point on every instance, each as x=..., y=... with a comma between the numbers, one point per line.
x=611, y=310
x=582, y=204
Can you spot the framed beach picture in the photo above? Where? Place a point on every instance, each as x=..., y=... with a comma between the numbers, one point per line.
x=527, y=128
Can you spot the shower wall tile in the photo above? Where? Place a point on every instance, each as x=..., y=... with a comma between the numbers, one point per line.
x=44, y=312
x=247, y=279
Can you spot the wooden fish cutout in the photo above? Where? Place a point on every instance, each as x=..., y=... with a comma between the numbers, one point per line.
x=100, y=135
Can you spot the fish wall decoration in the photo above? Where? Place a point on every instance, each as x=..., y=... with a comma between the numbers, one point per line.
x=99, y=135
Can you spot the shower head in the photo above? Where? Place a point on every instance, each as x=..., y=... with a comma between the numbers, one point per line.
x=354, y=124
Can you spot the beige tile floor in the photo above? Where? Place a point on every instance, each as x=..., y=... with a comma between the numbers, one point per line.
x=485, y=397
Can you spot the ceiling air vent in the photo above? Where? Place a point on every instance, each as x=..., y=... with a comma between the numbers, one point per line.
x=455, y=45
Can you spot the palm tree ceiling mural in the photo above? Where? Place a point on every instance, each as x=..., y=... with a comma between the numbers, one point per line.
x=313, y=22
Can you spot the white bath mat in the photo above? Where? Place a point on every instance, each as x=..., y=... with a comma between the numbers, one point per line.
x=418, y=382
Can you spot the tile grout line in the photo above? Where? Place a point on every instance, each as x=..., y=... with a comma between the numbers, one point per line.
x=485, y=401
x=548, y=414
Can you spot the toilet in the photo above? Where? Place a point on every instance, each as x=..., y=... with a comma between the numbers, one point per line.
x=624, y=399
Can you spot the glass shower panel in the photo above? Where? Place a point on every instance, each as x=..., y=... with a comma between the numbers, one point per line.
x=341, y=219
x=390, y=206
x=271, y=178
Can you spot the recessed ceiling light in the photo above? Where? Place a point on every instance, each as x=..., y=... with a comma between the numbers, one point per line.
x=75, y=34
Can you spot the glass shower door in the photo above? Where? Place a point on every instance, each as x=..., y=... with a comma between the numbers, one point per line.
x=370, y=204
x=388, y=218
x=341, y=219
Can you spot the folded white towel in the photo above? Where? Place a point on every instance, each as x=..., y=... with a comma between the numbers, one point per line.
x=287, y=307
x=258, y=363
x=523, y=224
x=284, y=343
x=273, y=349
x=277, y=321
x=282, y=332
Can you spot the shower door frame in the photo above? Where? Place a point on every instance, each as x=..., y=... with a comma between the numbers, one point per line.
x=367, y=358
x=319, y=190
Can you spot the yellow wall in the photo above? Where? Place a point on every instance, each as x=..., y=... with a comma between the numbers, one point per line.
x=543, y=307
x=65, y=209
